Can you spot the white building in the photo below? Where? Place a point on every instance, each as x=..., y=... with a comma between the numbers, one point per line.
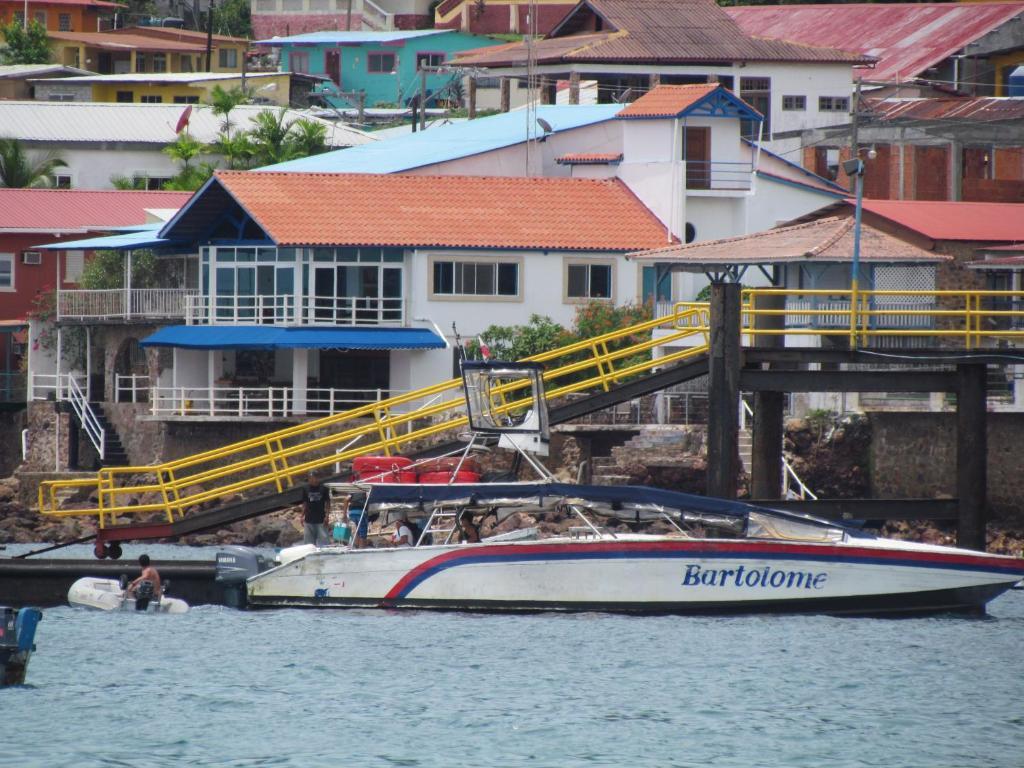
x=87, y=136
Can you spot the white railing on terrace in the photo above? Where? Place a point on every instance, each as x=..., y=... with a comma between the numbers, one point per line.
x=131, y=388
x=241, y=402
x=377, y=18
x=830, y=313
x=285, y=310
x=48, y=386
x=143, y=303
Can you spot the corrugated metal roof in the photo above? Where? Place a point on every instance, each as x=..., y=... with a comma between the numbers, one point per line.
x=979, y=109
x=169, y=77
x=943, y=220
x=79, y=210
x=448, y=142
x=173, y=33
x=117, y=42
x=57, y=122
x=657, y=31
x=431, y=211
x=86, y=3
x=352, y=38
x=270, y=337
x=29, y=70
x=907, y=38
x=824, y=240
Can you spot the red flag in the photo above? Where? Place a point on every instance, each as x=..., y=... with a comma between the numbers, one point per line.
x=183, y=120
x=485, y=351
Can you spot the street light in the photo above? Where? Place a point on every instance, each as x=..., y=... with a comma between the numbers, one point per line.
x=855, y=167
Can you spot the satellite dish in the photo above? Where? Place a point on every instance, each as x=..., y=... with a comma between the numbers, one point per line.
x=544, y=125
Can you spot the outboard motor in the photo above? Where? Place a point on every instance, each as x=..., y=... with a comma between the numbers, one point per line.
x=144, y=594
x=235, y=564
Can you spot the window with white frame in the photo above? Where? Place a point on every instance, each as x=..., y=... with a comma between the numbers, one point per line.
x=62, y=180
x=74, y=265
x=475, y=278
x=6, y=271
x=794, y=103
x=379, y=62
x=429, y=59
x=833, y=104
x=589, y=280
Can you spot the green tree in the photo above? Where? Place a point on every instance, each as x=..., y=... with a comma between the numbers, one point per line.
x=269, y=136
x=25, y=46
x=223, y=101
x=191, y=177
x=105, y=270
x=308, y=138
x=232, y=17
x=184, y=149
x=514, y=342
x=18, y=169
x=237, y=150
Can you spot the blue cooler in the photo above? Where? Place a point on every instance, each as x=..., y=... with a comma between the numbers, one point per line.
x=341, y=533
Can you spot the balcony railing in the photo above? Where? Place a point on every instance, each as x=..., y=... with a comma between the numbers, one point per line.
x=286, y=310
x=716, y=175
x=131, y=388
x=242, y=402
x=117, y=303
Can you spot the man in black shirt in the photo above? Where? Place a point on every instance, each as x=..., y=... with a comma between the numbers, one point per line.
x=314, y=513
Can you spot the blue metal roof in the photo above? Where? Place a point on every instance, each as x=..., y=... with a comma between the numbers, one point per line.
x=129, y=241
x=273, y=337
x=351, y=38
x=448, y=142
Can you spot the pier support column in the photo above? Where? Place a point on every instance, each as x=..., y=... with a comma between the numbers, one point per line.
x=971, y=456
x=769, y=429
x=724, y=390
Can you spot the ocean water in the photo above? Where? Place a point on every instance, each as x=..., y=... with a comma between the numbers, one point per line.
x=307, y=688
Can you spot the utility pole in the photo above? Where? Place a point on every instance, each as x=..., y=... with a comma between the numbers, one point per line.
x=209, y=35
x=423, y=98
x=854, y=125
x=471, y=98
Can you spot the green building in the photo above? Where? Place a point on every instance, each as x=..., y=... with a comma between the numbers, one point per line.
x=383, y=65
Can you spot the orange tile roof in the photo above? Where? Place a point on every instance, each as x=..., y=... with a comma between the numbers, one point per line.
x=667, y=100
x=443, y=211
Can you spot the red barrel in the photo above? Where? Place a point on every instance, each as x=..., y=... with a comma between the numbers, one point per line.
x=448, y=464
x=443, y=478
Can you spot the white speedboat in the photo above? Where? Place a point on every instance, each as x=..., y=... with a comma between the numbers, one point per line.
x=721, y=556
x=109, y=595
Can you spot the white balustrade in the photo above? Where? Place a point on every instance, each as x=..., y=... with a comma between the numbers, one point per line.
x=235, y=309
x=270, y=401
x=148, y=303
x=131, y=388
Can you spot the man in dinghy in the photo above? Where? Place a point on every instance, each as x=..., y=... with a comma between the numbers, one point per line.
x=147, y=586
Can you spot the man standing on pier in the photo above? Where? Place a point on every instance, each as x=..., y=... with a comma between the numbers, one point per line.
x=314, y=513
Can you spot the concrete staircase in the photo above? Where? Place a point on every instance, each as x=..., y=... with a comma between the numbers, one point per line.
x=114, y=453
x=746, y=446
x=654, y=445
x=605, y=471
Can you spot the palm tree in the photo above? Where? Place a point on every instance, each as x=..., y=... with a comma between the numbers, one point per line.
x=237, y=150
x=183, y=149
x=270, y=137
x=222, y=102
x=308, y=138
x=17, y=169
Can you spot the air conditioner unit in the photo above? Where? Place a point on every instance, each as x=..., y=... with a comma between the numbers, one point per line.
x=32, y=257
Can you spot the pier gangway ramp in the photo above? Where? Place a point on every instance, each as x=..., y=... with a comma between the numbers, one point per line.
x=244, y=479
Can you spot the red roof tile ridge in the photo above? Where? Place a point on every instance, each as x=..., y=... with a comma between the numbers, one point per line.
x=867, y=57
x=845, y=225
x=417, y=178
x=76, y=191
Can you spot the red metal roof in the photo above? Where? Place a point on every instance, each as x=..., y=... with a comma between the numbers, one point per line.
x=82, y=3
x=907, y=38
x=988, y=109
x=635, y=31
x=80, y=210
x=443, y=211
x=943, y=220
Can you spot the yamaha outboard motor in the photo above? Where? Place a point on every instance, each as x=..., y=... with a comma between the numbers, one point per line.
x=235, y=564
x=144, y=594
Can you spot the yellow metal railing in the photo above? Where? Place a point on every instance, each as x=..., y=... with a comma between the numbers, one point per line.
x=178, y=487
x=274, y=460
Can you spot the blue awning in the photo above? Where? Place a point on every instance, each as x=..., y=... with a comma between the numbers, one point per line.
x=272, y=337
x=128, y=241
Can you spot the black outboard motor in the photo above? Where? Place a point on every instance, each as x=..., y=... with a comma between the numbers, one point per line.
x=235, y=564
x=144, y=594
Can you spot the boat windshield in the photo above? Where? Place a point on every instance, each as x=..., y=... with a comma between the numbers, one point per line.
x=762, y=525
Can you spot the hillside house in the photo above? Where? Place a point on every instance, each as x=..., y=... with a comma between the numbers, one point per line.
x=86, y=134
